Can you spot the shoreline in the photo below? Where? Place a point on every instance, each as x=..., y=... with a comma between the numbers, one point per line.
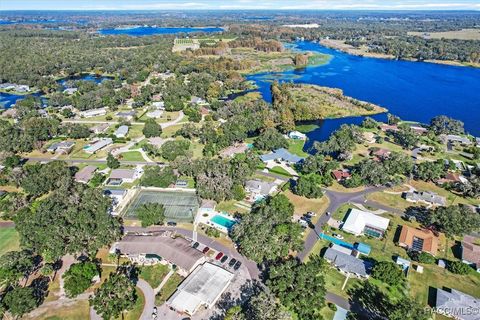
x=341, y=46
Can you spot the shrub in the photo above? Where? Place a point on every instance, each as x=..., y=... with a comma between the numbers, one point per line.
x=458, y=267
x=422, y=257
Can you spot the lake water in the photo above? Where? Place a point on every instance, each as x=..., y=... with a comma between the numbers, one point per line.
x=7, y=100
x=414, y=91
x=148, y=31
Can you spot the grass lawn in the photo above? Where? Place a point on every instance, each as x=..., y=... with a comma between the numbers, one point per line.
x=230, y=207
x=79, y=310
x=338, y=187
x=390, y=200
x=296, y=147
x=280, y=171
x=168, y=289
x=451, y=197
x=154, y=274
x=334, y=281
x=170, y=131
x=9, y=240
x=306, y=128
x=303, y=205
x=131, y=156
x=327, y=313
x=136, y=312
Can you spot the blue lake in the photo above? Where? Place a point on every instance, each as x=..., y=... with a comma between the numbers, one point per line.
x=84, y=77
x=148, y=31
x=414, y=91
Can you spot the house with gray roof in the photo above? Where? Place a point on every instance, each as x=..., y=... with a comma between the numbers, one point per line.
x=61, y=147
x=257, y=189
x=176, y=250
x=425, y=197
x=281, y=154
x=457, y=304
x=97, y=145
x=347, y=263
x=453, y=138
x=121, y=132
x=85, y=174
x=128, y=115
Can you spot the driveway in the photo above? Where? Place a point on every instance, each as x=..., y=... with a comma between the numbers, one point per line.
x=149, y=295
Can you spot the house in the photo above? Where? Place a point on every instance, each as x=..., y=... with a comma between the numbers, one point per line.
x=420, y=240
x=477, y=141
x=452, y=138
x=181, y=183
x=197, y=101
x=202, y=288
x=456, y=304
x=258, y=189
x=233, y=150
x=63, y=147
x=100, y=128
x=450, y=177
x=419, y=130
x=387, y=127
x=427, y=197
x=381, y=153
x=70, y=91
x=120, y=176
x=174, y=250
x=362, y=222
x=85, y=174
x=471, y=252
x=297, y=135
x=341, y=175
x=404, y=263
x=117, y=195
x=155, y=114
x=121, y=132
x=97, y=145
x=127, y=115
x=346, y=263
x=93, y=113
x=159, y=105
x=281, y=155
x=369, y=137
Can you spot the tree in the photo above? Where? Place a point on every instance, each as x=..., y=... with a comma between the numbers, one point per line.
x=270, y=139
x=74, y=220
x=430, y=171
x=152, y=129
x=309, y=186
x=12, y=161
x=151, y=214
x=455, y=220
x=267, y=232
x=408, y=309
x=78, y=278
x=15, y=265
x=422, y=257
x=117, y=294
x=170, y=150
x=445, y=125
x=458, y=267
x=20, y=300
x=392, y=119
x=265, y=306
x=298, y=284
x=369, y=123
x=39, y=179
x=238, y=192
x=341, y=141
x=388, y=272
x=112, y=162
x=405, y=136
x=155, y=176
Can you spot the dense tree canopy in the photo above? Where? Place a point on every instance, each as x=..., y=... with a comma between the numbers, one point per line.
x=78, y=277
x=455, y=220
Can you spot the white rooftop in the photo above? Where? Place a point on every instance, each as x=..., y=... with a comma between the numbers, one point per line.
x=357, y=221
x=202, y=287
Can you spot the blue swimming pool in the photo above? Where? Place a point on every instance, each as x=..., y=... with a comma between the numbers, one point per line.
x=223, y=221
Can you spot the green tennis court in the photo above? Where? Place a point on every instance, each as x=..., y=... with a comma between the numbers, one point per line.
x=179, y=206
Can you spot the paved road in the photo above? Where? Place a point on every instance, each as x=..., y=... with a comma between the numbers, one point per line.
x=133, y=163
x=149, y=299
x=336, y=200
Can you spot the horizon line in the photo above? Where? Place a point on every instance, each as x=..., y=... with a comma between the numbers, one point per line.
x=248, y=9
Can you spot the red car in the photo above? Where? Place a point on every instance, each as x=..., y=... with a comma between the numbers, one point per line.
x=206, y=249
x=219, y=255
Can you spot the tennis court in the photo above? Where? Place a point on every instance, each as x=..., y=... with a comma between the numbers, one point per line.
x=179, y=206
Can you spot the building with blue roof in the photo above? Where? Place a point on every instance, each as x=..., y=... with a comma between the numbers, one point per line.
x=281, y=154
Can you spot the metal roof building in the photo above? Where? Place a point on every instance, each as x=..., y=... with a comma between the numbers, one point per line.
x=203, y=287
x=347, y=263
x=457, y=304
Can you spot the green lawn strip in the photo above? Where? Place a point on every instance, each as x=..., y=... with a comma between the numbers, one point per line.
x=137, y=310
x=131, y=156
x=9, y=240
x=168, y=289
x=296, y=147
x=154, y=274
x=280, y=171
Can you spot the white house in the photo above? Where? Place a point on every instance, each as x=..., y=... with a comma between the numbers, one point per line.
x=258, y=189
x=297, y=135
x=361, y=222
x=97, y=145
x=121, y=132
x=93, y=113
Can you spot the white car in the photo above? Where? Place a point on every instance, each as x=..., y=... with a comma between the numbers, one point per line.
x=338, y=236
x=311, y=214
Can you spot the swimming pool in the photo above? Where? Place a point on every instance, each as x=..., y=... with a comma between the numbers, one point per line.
x=223, y=221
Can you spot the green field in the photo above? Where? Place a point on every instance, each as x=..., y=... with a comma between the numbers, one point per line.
x=9, y=240
x=179, y=206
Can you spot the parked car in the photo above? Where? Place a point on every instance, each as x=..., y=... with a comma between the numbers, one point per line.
x=171, y=224
x=195, y=245
x=219, y=255
x=205, y=250
x=303, y=223
x=328, y=213
x=237, y=265
x=338, y=236
x=311, y=214
x=232, y=262
x=306, y=218
x=224, y=258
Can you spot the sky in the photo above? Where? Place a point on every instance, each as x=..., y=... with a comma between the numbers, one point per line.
x=239, y=4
